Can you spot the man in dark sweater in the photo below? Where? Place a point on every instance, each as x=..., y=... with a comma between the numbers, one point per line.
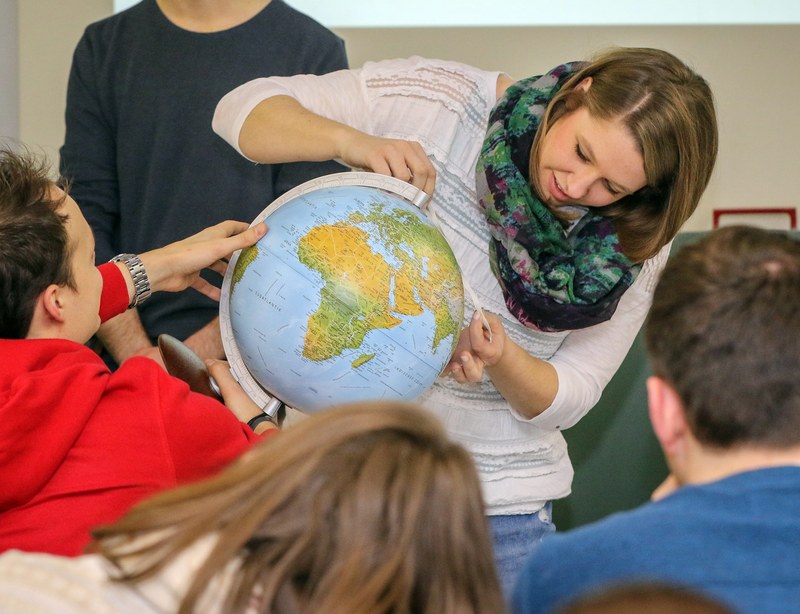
x=147, y=172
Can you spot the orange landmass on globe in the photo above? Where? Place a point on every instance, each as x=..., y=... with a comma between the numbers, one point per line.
x=362, y=291
x=355, y=296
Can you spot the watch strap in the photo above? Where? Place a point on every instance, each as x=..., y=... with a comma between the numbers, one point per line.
x=256, y=420
x=141, y=283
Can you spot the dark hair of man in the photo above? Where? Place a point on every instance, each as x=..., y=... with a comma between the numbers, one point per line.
x=34, y=244
x=724, y=331
x=651, y=597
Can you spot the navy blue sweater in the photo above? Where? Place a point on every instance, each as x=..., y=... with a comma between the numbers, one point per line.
x=145, y=166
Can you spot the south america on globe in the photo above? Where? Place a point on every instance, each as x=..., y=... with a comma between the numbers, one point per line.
x=351, y=295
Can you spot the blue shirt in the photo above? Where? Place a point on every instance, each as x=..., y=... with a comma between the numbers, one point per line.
x=736, y=540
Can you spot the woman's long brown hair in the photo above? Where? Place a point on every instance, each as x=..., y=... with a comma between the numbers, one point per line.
x=669, y=111
x=362, y=508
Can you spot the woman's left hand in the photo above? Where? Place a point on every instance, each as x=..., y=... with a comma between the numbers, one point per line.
x=477, y=349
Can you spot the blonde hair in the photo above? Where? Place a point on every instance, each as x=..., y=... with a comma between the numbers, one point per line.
x=362, y=508
x=669, y=111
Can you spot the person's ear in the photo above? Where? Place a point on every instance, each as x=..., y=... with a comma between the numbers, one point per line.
x=667, y=415
x=584, y=85
x=52, y=302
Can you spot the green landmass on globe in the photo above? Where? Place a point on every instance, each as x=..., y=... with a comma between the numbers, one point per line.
x=246, y=257
x=363, y=359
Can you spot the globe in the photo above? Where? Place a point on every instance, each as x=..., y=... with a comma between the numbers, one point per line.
x=352, y=295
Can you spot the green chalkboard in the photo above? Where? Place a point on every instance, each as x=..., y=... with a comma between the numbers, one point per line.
x=617, y=458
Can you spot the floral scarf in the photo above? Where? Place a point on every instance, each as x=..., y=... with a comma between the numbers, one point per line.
x=552, y=279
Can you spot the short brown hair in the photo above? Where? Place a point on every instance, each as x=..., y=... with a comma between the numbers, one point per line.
x=648, y=597
x=34, y=245
x=724, y=331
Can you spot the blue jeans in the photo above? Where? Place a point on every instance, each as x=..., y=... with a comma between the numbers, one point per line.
x=515, y=537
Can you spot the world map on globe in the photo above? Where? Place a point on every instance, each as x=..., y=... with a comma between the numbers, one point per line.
x=351, y=295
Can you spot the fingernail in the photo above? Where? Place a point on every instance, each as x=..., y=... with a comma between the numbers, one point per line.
x=476, y=316
x=465, y=359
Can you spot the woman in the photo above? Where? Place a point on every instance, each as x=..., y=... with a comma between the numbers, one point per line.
x=367, y=508
x=559, y=195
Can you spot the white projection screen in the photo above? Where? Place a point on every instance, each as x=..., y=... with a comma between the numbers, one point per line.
x=467, y=13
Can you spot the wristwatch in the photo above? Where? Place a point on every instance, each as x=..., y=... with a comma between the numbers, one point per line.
x=256, y=420
x=141, y=284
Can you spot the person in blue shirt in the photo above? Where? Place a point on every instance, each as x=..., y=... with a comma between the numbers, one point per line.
x=723, y=337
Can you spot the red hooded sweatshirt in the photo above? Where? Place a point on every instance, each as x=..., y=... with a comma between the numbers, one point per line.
x=80, y=445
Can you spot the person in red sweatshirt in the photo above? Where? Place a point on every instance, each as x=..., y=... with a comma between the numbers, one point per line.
x=79, y=445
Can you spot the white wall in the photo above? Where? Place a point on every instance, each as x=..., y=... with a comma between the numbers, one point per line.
x=9, y=70
x=471, y=13
x=48, y=33
x=752, y=70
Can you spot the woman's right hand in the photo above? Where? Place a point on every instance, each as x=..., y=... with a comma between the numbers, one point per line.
x=405, y=160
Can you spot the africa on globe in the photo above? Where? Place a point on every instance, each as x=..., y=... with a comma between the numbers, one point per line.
x=351, y=295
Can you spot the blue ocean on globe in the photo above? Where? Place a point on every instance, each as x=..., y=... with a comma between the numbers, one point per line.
x=352, y=295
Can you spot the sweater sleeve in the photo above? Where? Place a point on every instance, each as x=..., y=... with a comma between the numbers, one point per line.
x=203, y=436
x=114, y=299
x=337, y=95
x=588, y=358
x=287, y=176
x=88, y=155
